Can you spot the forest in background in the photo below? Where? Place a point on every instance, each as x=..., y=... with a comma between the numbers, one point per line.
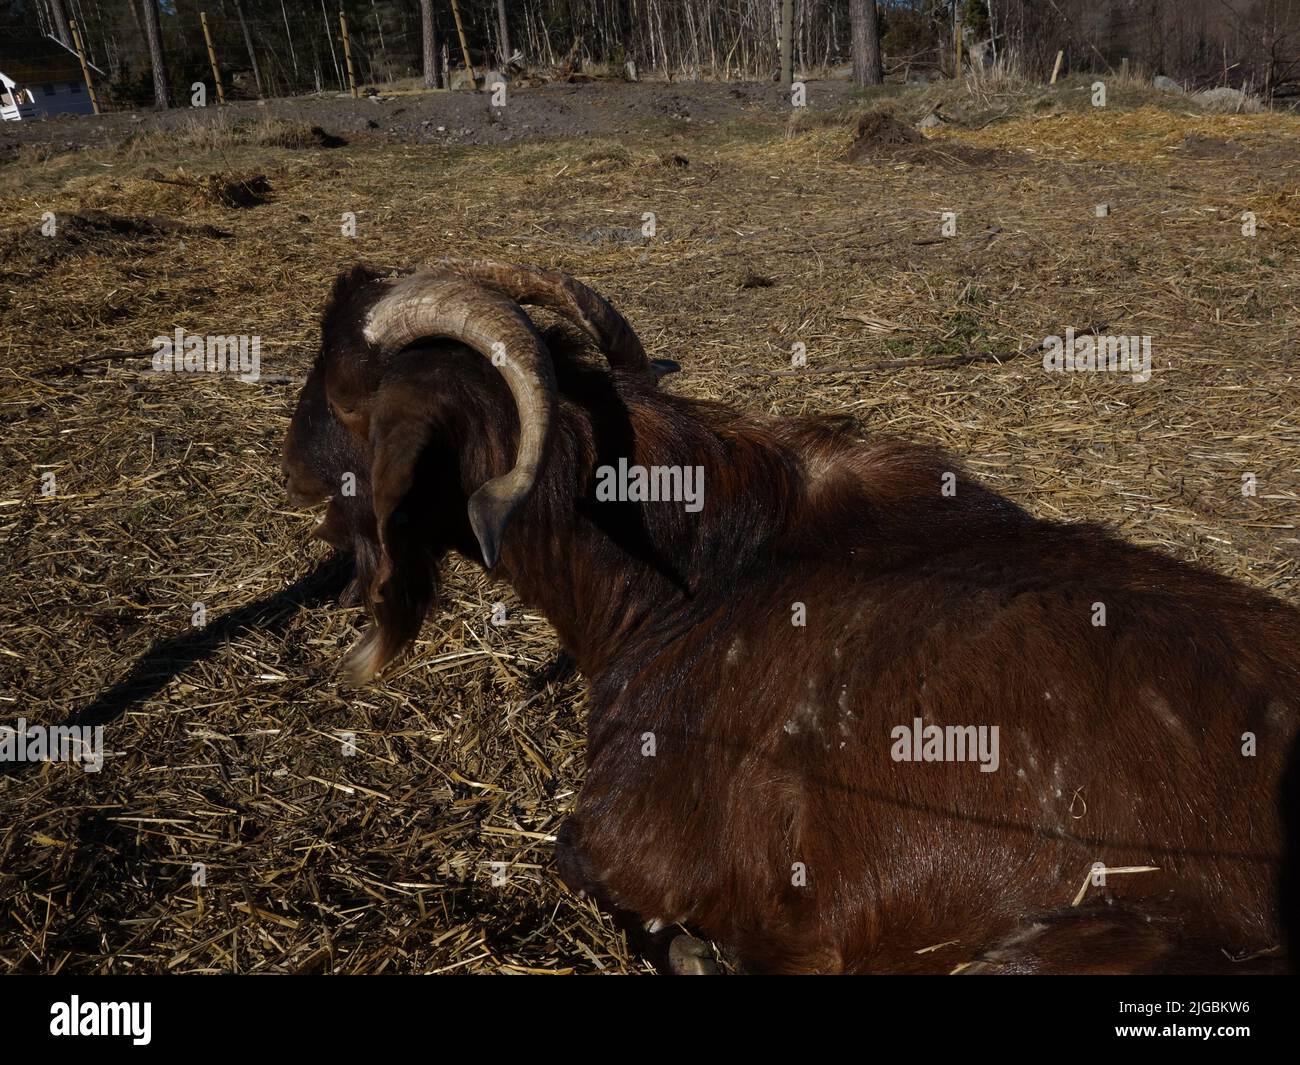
x=286, y=47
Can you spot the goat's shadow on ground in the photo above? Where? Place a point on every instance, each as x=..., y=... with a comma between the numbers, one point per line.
x=169, y=658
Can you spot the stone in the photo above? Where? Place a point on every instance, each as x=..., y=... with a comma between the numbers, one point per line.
x=1222, y=98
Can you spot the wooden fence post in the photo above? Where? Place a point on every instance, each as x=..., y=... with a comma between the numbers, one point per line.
x=85, y=67
x=460, y=31
x=1056, y=67
x=212, y=58
x=787, y=38
x=957, y=35
x=347, y=52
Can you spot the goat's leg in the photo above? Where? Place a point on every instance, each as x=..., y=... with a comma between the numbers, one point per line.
x=667, y=948
x=688, y=956
x=572, y=863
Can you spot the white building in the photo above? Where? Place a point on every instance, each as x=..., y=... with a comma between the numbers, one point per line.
x=40, y=76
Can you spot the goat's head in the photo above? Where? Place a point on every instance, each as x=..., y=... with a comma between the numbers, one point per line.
x=365, y=421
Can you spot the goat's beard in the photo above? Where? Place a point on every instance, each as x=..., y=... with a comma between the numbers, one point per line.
x=399, y=607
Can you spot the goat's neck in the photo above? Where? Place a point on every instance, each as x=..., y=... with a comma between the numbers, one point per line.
x=613, y=575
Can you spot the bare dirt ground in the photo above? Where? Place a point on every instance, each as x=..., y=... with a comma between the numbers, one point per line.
x=229, y=829
x=561, y=110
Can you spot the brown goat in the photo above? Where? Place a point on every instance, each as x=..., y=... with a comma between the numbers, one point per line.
x=756, y=667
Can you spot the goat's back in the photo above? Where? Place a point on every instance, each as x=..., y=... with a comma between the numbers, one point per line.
x=1155, y=735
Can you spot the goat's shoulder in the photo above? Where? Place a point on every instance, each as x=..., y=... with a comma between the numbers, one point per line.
x=891, y=483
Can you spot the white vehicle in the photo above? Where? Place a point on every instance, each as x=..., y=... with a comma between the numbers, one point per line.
x=16, y=103
x=39, y=77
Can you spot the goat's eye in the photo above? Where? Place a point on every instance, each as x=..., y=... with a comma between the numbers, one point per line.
x=355, y=421
x=346, y=418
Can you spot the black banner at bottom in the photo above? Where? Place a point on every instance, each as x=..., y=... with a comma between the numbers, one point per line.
x=335, y=1015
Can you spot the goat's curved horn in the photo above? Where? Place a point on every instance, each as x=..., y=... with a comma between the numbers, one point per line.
x=433, y=303
x=566, y=296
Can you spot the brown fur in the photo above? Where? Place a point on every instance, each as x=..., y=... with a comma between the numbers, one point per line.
x=1120, y=744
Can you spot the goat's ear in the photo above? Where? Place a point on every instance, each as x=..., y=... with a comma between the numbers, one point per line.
x=348, y=283
x=401, y=426
x=399, y=582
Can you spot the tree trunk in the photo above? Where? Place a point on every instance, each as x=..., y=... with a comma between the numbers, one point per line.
x=139, y=21
x=248, y=43
x=868, y=68
x=153, y=31
x=329, y=37
x=624, y=27
x=60, y=22
x=383, y=48
x=503, y=31
x=288, y=36
x=787, y=38
x=432, y=71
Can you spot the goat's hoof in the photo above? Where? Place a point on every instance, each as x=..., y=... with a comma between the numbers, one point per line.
x=688, y=956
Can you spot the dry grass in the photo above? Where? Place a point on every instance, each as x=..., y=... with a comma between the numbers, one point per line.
x=224, y=742
x=205, y=134
x=1001, y=78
